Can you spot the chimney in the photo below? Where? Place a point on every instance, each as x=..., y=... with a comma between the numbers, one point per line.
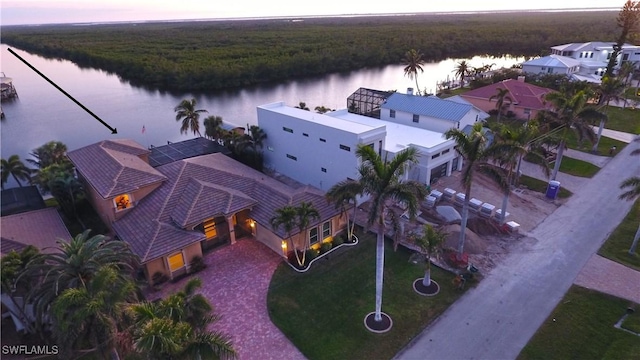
x=409, y=91
x=521, y=78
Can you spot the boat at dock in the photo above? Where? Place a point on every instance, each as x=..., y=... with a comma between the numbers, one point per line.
x=7, y=90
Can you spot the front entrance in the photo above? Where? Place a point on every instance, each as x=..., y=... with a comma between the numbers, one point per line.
x=438, y=172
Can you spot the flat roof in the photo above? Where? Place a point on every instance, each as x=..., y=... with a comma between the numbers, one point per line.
x=322, y=119
x=398, y=136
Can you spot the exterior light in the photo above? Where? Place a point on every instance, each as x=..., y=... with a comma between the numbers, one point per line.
x=284, y=245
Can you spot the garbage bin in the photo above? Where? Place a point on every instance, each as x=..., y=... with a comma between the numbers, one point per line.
x=552, y=189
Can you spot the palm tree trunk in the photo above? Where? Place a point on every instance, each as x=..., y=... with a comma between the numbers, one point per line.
x=353, y=224
x=634, y=245
x=379, y=269
x=465, y=217
x=16, y=178
x=594, y=149
x=517, y=177
x=417, y=87
x=556, y=166
x=427, y=274
x=505, y=202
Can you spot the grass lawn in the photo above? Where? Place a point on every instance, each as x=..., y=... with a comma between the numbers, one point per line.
x=626, y=120
x=632, y=93
x=617, y=245
x=577, y=167
x=584, y=329
x=541, y=186
x=322, y=311
x=603, y=146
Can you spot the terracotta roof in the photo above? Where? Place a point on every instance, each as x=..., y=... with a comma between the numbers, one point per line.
x=114, y=167
x=523, y=94
x=202, y=187
x=40, y=228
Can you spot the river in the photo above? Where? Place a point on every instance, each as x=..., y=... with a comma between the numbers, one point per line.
x=41, y=113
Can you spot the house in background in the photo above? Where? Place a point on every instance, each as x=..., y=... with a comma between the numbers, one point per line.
x=526, y=99
x=552, y=64
x=184, y=208
x=40, y=228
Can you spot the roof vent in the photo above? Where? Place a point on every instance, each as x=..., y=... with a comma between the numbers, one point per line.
x=409, y=91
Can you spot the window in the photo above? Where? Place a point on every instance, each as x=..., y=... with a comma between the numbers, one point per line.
x=392, y=114
x=176, y=261
x=543, y=68
x=435, y=156
x=416, y=118
x=326, y=230
x=292, y=157
x=122, y=202
x=324, y=170
x=581, y=54
x=345, y=147
x=323, y=140
x=313, y=235
x=446, y=151
x=209, y=228
x=289, y=130
x=591, y=55
x=305, y=134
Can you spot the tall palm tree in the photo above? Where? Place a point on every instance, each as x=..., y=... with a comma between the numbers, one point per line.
x=632, y=187
x=462, y=69
x=44, y=177
x=213, y=127
x=472, y=147
x=286, y=217
x=344, y=194
x=414, y=62
x=256, y=137
x=67, y=190
x=16, y=168
x=501, y=96
x=429, y=241
x=611, y=88
x=53, y=152
x=190, y=116
x=570, y=113
x=382, y=181
x=305, y=213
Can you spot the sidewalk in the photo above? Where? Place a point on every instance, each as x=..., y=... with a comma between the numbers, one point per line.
x=617, y=135
x=611, y=278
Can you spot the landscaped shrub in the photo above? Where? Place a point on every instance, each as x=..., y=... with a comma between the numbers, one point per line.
x=310, y=255
x=325, y=247
x=159, y=278
x=197, y=264
x=338, y=240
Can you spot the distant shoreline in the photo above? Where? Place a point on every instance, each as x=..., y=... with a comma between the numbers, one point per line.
x=309, y=17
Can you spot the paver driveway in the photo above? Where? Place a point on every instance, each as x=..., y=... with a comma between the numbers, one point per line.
x=236, y=281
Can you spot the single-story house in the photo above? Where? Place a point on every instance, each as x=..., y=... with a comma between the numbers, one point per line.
x=40, y=228
x=552, y=64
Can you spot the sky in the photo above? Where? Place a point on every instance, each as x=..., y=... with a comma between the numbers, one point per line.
x=22, y=12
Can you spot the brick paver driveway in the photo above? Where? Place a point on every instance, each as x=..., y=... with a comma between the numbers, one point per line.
x=236, y=281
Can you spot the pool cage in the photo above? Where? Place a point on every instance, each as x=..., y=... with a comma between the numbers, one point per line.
x=367, y=102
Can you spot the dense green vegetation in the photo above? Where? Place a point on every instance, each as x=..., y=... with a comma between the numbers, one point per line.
x=617, y=245
x=581, y=327
x=204, y=56
x=322, y=310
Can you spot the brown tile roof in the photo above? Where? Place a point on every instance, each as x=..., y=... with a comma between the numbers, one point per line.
x=113, y=167
x=40, y=228
x=523, y=94
x=151, y=228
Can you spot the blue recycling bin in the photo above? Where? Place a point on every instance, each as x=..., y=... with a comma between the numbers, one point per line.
x=552, y=189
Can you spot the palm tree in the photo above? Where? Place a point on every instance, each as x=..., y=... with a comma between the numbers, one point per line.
x=632, y=186
x=414, y=62
x=256, y=138
x=53, y=152
x=44, y=177
x=305, y=213
x=213, y=127
x=501, y=96
x=382, y=181
x=570, y=113
x=67, y=190
x=472, y=147
x=462, y=69
x=429, y=242
x=323, y=109
x=342, y=195
x=610, y=88
x=16, y=168
x=187, y=113
x=303, y=106
x=286, y=217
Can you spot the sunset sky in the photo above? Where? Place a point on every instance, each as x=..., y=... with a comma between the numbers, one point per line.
x=14, y=12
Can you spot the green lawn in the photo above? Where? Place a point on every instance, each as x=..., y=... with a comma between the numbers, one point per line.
x=632, y=93
x=603, y=146
x=626, y=120
x=583, y=329
x=577, y=167
x=617, y=245
x=322, y=311
x=541, y=186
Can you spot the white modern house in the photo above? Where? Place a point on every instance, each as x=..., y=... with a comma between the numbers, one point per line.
x=319, y=149
x=552, y=64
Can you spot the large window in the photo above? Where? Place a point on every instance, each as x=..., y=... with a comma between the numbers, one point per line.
x=122, y=202
x=416, y=118
x=176, y=262
x=313, y=236
x=210, y=230
x=392, y=114
x=326, y=230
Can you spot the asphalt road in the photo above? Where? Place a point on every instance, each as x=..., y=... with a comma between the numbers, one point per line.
x=497, y=318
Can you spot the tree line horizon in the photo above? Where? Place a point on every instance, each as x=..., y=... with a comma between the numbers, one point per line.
x=210, y=56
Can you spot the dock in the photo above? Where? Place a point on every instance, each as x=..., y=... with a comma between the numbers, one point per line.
x=7, y=90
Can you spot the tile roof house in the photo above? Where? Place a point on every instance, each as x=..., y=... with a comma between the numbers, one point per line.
x=40, y=228
x=186, y=207
x=527, y=99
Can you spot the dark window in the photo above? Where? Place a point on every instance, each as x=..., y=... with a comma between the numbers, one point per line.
x=326, y=229
x=392, y=113
x=313, y=235
x=287, y=129
x=416, y=118
x=446, y=151
x=305, y=134
x=591, y=55
x=292, y=157
x=323, y=140
x=323, y=170
x=435, y=156
x=345, y=147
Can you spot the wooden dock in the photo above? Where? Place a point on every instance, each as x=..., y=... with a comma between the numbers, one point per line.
x=7, y=90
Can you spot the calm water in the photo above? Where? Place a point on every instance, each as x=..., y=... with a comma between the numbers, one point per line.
x=42, y=113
